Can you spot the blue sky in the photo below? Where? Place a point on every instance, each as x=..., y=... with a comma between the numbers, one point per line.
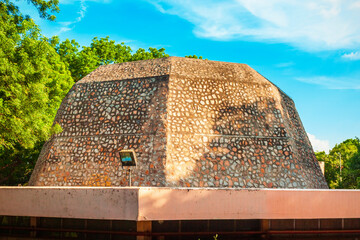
x=310, y=49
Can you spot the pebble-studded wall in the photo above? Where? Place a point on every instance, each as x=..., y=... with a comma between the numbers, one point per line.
x=192, y=123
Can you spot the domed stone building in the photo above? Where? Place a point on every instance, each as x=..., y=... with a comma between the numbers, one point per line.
x=188, y=122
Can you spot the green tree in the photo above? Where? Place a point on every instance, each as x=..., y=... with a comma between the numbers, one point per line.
x=107, y=51
x=45, y=8
x=153, y=53
x=348, y=152
x=331, y=169
x=33, y=83
x=194, y=56
x=101, y=51
x=351, y=173
x=78, y=62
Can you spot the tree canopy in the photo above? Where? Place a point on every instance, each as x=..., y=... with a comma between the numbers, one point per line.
x=34, y=80
x=46, y=8
x=348, y=154
x=82, y=61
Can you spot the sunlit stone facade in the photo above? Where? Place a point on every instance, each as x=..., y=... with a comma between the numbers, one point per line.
x=192, y=123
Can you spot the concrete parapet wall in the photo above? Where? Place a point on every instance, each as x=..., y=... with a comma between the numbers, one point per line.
x=145, y=204
x=88, y=203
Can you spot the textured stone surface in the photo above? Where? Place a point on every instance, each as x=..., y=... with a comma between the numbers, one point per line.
x=192, y=123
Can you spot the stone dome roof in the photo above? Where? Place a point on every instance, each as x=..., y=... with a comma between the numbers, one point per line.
x=190, y=122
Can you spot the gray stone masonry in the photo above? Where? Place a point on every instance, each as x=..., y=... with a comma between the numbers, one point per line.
x=192, y=123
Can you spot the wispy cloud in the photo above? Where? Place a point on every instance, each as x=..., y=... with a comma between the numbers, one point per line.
x=319, y=145
x=332, y=82
x=353, y=56
x=68, y=26
x=306, y=24
x=284, y=64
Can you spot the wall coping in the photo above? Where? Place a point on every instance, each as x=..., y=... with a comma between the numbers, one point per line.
x=152, y=203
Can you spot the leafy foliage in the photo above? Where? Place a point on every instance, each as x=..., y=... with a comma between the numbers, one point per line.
x=348, y=152
x=100, y=52
x=194, y=56
x=44, y=7
x=34, y=81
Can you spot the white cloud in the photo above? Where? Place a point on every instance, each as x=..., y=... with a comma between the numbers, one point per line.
x=332, y=82
x=82, y=11
x=319, y=145
x=284, y=64
x=353, y=56
x=307, y=24
x=68, y=26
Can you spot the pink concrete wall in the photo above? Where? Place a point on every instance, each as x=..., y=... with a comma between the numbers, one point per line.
x=73, y=202
x=163, y=204
x=178, y=204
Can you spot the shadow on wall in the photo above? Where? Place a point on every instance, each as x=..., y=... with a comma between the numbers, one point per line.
x=231, y=144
